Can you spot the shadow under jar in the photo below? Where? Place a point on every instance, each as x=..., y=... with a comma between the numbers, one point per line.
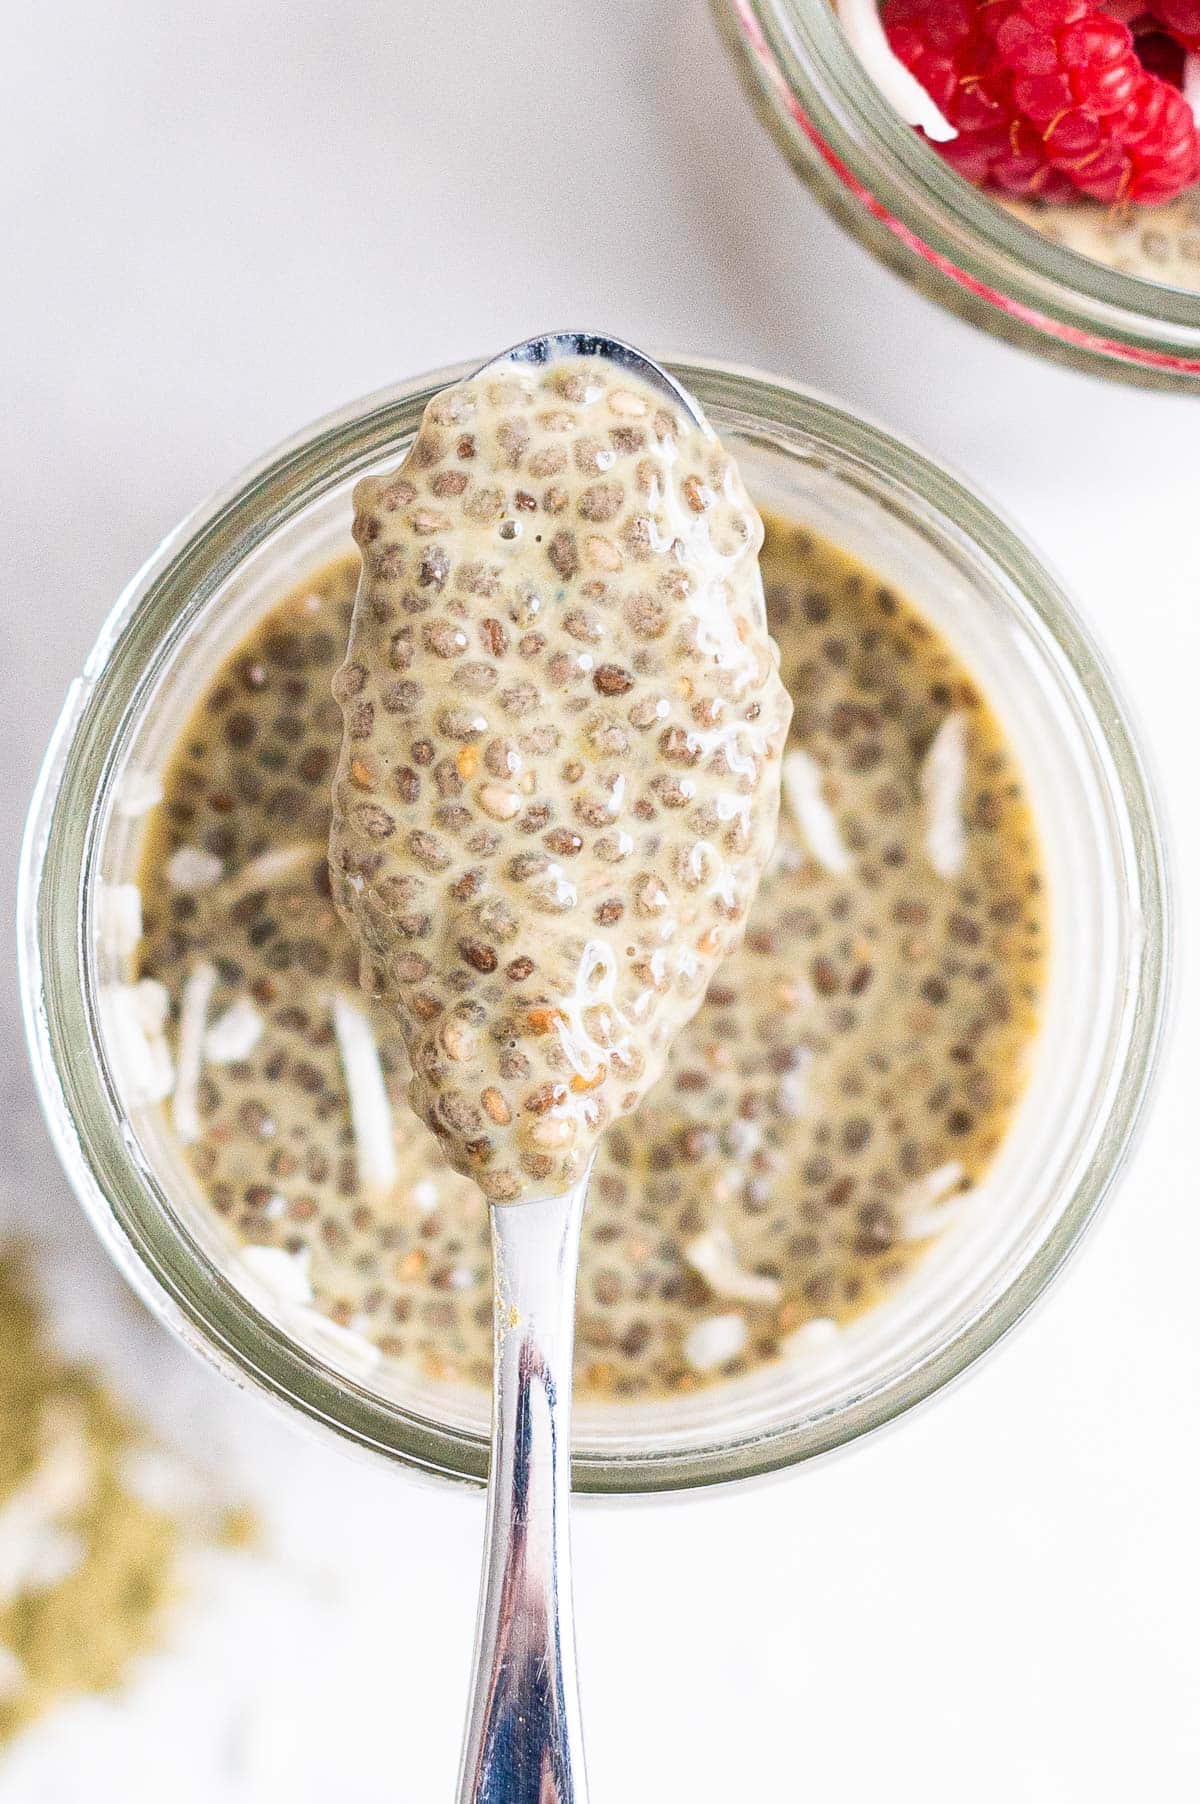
x=998, y=609
x=958, y=244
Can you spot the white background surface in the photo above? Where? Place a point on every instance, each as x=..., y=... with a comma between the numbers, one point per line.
x=230, y=218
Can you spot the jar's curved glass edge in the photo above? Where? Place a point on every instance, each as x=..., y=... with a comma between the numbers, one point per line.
x=284, y=1377
x=913, y=212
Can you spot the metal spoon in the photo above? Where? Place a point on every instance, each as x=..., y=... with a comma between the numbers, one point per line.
x=554, y=347
x=524, y=1740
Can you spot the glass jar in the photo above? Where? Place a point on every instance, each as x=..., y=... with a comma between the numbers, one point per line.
x=959, y=246
x=1008, y=619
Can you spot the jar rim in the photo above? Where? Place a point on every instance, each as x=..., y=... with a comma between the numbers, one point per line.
x=882, y=179
x=194, y=1299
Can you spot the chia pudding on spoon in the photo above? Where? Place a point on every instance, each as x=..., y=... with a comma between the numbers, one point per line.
x=559, y=776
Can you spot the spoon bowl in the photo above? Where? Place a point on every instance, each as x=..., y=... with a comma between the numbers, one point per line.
x=555, y=347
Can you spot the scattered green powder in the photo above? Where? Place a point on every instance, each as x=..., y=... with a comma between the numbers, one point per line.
x=87, y=1567
x=239, y=1530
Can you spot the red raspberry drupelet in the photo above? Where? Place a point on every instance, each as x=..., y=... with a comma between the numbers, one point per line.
x=1050, y=97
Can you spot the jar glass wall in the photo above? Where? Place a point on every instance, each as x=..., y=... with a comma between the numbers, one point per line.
x=1003, y=613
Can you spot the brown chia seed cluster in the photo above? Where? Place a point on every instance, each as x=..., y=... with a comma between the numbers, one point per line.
x=559, y=776
x=835, y=1102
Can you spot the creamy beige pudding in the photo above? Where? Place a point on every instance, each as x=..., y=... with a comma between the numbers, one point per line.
x=1157, y=244
x=559, y=777
x=833, y=1106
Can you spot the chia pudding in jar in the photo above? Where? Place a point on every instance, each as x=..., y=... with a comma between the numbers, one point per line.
x=829, y=1109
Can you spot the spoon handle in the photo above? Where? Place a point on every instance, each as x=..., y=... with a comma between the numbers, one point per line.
x=524, y=1742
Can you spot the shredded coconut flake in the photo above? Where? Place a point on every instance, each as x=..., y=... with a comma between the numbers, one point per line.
x=715, y=1341
x=942, y=780
x=714, y=1256
x=191, y=868
x=139, y=791
x=922, y=1205
x=285, y=1275
x=119, y=920
x=370, y=1110
x=924, y=1192
x=235, y=1034
x=812, y=813
x=925, y=1223
x=137, y=1046
x=864, y=31
x=271, y=868
x=193, y=1016
x=151, y=1003
x=817, y=1340
x=353, y=1350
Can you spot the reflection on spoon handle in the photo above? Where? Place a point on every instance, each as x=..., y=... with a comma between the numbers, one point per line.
x=524, y=1742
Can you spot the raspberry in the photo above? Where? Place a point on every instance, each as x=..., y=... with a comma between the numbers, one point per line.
x=1050, y=98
